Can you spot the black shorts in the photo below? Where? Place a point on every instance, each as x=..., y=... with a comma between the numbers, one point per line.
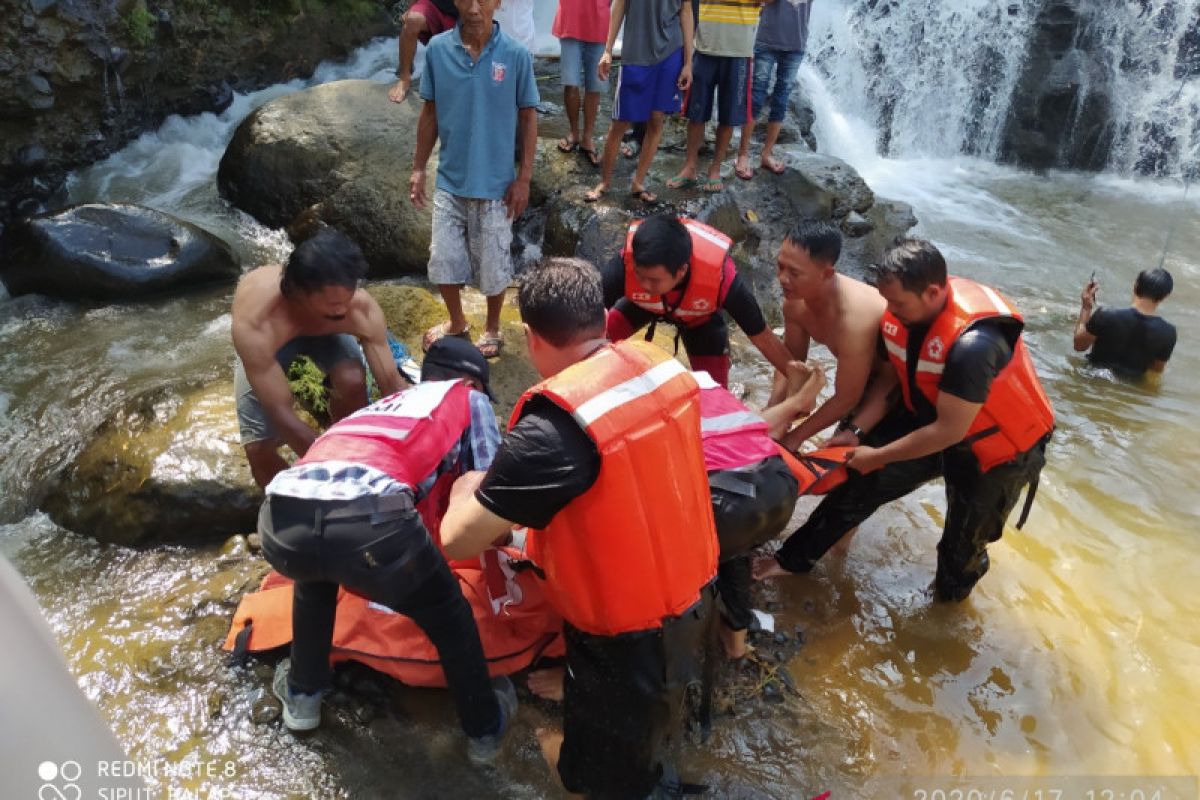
x=623, y=697
x=751, y=508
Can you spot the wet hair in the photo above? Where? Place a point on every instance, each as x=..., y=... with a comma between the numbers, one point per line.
x=562, y=302
x=662, y=241
x=916, y=263
x=1154, y=284
x=821, y=240
x=327, y=258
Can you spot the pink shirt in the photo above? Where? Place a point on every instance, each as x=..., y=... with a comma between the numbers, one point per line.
x=585, y=20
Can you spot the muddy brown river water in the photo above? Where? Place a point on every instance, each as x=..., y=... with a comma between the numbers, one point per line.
x=1077, y=655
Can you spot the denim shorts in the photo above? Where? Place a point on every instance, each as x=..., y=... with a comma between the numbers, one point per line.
x=579, y=62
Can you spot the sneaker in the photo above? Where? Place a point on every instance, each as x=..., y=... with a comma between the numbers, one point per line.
x=484, y=749
x=301, y=712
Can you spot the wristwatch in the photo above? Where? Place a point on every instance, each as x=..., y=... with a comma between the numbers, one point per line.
x=847, y=425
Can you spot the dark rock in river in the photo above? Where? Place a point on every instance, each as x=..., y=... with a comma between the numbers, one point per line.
x=110, y=252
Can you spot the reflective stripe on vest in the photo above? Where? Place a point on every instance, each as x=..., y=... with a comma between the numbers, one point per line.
x=733, y=435
x=1017, y=414
x=405, y=435
x=702, y=296
x=640, y=543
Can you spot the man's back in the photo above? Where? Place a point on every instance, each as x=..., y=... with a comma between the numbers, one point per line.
x=1128, y=341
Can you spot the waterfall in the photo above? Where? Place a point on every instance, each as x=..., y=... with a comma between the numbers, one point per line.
x=934, y=77
x=1093, y=84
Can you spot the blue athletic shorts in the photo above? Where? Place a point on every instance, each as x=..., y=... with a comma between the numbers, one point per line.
x=730, y=77
x=644, y=90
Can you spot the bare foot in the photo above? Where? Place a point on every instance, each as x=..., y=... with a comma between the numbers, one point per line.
x=767, y=567
x=733, y=641
x=551, y=742
x=797, y=373
x=547, y=683
x=773, y=164
x=400, y=90
x=595, y=194
x=805, y=398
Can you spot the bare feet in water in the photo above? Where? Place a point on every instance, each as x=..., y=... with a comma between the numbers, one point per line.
x=547, y=683
x=767, y=567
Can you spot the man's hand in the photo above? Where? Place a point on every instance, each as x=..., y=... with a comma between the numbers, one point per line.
x=400, y=91
x=1087, y=300
x=685, y=78
x=416, y=188
x=605, y=65
x=842, y=438
x=865, y=459
x=517, y=198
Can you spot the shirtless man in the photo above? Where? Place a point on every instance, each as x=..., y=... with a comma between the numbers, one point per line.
x=831, y=309
x=311, y=306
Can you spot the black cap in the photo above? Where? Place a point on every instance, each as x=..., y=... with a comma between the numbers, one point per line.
x=457, y=355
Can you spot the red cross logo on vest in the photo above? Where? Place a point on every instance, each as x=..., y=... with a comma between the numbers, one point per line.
x=935, y=347
x=701, y=304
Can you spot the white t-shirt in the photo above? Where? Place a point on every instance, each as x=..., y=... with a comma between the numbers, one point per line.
x=516, y=20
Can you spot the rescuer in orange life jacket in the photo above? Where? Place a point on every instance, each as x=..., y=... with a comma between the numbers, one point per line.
x=350, y=513
x=603, y=464
x=973, y=413
x=680, y=271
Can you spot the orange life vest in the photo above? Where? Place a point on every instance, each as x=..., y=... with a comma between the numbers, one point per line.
x=706, y=277
x=819, y=471
x=638, y=546
x=1017, y=414
x=516, y=624
x=405, y=435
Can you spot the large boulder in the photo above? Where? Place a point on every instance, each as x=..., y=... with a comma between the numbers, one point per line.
x=110, y=252
x=340, y=152
x=168, y=468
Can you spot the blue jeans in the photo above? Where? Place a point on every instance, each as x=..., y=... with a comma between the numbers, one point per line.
x=784, y=63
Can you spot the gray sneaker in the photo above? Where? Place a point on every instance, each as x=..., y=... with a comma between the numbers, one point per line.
x=301, y=712
x=484, y=749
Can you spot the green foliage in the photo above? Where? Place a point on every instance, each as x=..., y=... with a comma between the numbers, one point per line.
x=308, y=385
x=139, y=24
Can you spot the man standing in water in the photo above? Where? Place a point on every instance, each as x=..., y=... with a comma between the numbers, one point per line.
x=1130, y=341
x=976, y=416
x=311, y=306
x=832, y=309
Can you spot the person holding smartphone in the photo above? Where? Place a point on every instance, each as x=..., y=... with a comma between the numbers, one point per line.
x=1129, y=341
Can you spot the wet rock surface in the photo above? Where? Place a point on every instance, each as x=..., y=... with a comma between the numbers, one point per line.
x=340, y=153
x=81, y=79
x=168, y=468
x=111, y=252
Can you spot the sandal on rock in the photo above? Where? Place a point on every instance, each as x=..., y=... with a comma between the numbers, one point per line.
x=682, y=182
x=566, y=145
x=712, y=185
x=645, y=195
x=590, y=154
x=438, y=331
x=746, y=173
x=490, y=346
x=592, y=195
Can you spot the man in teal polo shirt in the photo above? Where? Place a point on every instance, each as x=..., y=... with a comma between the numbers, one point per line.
x=479, y=91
